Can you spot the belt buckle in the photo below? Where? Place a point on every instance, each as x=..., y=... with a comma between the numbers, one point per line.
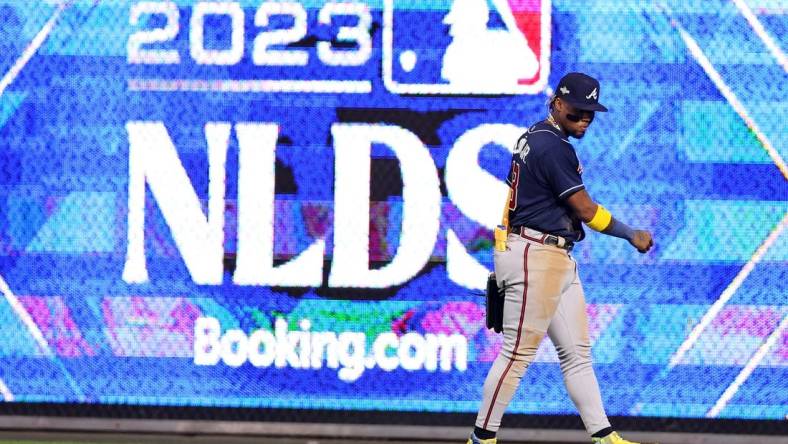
x=559, y=242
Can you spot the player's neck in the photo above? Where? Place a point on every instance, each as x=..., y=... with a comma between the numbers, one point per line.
x=551, y=120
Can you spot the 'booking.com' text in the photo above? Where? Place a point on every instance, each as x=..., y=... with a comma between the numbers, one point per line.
x=348, y=351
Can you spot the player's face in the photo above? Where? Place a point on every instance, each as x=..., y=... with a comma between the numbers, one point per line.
x=574, y=121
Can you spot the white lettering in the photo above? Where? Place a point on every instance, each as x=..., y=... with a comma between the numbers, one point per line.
x=477, y=193
x=234, y=344
x=206, y=341
x=325, y=344
x=255, y=260
x=304, y=349
x=352, y=347
x=229, y=56
x=266, y=340
x=154, y=160
x=385, y=361
x=420, y=213
x=454, y=345
x=286, y=344
x=412, y=351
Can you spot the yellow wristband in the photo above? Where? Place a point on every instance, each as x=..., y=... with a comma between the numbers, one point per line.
x=601, y=219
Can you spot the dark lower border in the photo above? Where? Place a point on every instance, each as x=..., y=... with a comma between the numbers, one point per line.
x=646, y=424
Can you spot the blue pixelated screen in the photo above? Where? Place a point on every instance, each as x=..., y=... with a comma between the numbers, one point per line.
x=372, y=140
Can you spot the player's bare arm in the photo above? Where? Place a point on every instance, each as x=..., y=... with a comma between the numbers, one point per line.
x=599, y=219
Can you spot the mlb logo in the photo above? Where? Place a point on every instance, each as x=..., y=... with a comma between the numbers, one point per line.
x=466, y=47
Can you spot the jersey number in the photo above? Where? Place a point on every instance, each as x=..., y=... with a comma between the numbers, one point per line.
x=515, y=182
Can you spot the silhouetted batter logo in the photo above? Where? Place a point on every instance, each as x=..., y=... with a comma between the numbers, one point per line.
x=470, y=47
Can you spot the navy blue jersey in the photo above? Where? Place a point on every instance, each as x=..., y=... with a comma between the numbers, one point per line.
x=544, y=172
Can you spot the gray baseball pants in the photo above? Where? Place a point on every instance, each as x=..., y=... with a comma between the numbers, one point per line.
x=543, y=295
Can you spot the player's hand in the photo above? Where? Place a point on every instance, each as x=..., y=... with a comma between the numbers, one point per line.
x=642, y=241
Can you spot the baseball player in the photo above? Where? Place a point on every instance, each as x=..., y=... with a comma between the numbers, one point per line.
x=534, y=268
